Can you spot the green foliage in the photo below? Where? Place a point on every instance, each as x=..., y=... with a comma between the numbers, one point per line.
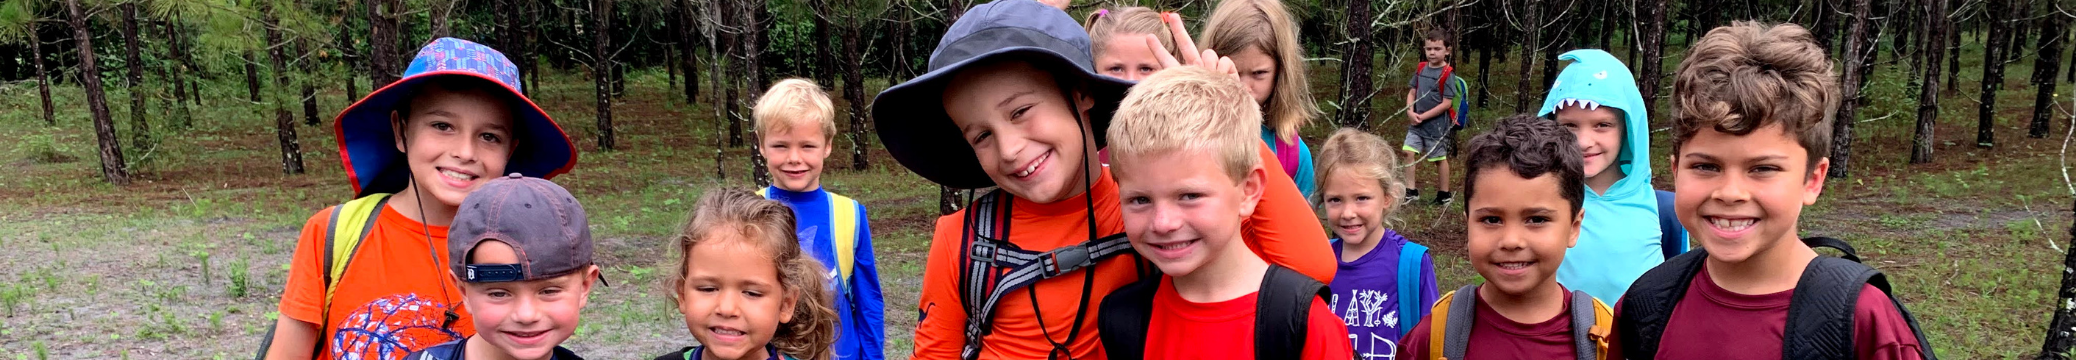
x=44, y=148
x=12, y=295
x=240, y=278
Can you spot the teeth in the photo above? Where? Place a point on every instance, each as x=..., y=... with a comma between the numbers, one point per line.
x=1174, y=246
x=457, y=175
x=1028, y=169
x=1513, y=265
x=728, y=332
x=1732, y=225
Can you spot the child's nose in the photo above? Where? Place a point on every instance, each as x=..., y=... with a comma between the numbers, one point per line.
x=526, y=311
x=1166, y=218
x=727, y=307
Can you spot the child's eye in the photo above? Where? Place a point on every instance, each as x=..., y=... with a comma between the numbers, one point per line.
x=1570, y=126
x=1765, y=169
x=1705, y=167
x=1190, y=196
x=1605, y=125
x=1363, y=198
x=1490, y=220
x=705, y=289
x=1333, y=200
x=491, y=138
x=1147, y=70
x=498, y=294
x=1138, y=200
x=1019, y=113
x=1114, y=69
x=753, y=294
x=1538, y=220
x=551, y=291
x=441, y=126
x=982, y=136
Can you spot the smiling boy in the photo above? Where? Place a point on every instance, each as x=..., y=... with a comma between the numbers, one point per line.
x=796, y=128
x=1522, y=194
x=1188, y=173
x=1596, y=99
x=525, y=269
x=1749, y=152
x=357, y=284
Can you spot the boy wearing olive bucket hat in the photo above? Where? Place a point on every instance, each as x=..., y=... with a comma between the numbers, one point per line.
x=365, y=281
x=1012, y=101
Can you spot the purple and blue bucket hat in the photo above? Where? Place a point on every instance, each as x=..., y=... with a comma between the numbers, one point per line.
x=367, y=145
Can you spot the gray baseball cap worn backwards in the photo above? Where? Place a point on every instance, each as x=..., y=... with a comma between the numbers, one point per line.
x=542, y=223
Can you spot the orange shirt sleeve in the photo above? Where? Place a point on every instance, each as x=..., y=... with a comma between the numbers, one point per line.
x=941, y=332
x=1285, y=231
x=302, y=298
x=1325, y=335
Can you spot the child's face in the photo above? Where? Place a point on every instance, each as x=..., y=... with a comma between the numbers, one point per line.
x=525, y=319
x=455, y=141
x=1257, y=71
x=732, y=298
x=1126, y=56
x=1599, y=132
x=1020, y=126
x=1741, y=195
x=794, y=156
x=1436, y=50
x=1355, y=207
x=1181, y=209
x=1519, y=229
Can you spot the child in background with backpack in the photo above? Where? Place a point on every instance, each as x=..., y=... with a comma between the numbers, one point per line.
x=1748, y=153
x=1596, y=99
x=1188, y=173
x=1262, y=41
x=796, y=128
x=746, y=288
x=1528, y=170
x=358, y=285
x=1018, y=273
x=1386, y=282
x=1431, y=101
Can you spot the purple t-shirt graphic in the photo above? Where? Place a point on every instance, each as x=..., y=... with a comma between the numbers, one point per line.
x=1366, y=296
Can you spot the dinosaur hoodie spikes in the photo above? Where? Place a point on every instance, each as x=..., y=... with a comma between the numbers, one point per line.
x=1613, y=250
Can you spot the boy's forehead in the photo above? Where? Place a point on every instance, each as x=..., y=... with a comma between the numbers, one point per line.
x=1770, y=140
x=1501, y=187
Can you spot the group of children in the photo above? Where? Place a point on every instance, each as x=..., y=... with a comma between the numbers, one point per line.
x=1134, y=212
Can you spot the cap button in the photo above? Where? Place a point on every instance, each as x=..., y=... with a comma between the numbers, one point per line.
x=514, y=176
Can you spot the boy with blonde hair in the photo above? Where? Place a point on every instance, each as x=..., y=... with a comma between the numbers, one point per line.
x=796, y=128
x=1188, y=172
x=1748, y=153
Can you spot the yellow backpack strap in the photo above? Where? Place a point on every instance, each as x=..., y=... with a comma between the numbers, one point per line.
x=350, y=223
x=843, y=219
x=1452, y=340
x=1603, y=325
x=1437, y=325
x=764, y=192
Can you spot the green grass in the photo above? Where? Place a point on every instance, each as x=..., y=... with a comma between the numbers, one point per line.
x=1966, y=239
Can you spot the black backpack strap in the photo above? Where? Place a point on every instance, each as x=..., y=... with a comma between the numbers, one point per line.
x=1281, y=310
x=1123, y=319
x=1582, y=326
x=1821, y=311
x=1845, y=250
x=994, y=266
x=1463, y=314
x=1649, y=303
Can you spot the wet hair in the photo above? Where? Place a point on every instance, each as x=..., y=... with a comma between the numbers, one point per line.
x=1264, y=25
x=1748, y=75
x=1103, y=24
x=1363, y=154
x=1530, y=147
x=770, y=225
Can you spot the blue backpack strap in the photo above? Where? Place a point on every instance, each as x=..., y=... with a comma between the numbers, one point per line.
x=1673, y=236
x=1409, y=286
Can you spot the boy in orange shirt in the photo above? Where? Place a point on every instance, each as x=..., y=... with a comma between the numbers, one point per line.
x=364, y=282
x=1187, y=170
x=1013, y=101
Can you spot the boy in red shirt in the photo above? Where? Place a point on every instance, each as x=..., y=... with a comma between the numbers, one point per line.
x=1522, y=190
x=1012, y=101
x=1187, y=172
x=1750, y=140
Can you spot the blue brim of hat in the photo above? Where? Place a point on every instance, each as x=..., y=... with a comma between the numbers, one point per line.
x=912, y=124
x=367, y=143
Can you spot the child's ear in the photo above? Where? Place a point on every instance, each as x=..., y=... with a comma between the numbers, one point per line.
x=1578, y=219
x=1251, y=189
x=591, y=275
x=1813, y=185
x=1084, y=101
x=786, y=307
x=396, y=130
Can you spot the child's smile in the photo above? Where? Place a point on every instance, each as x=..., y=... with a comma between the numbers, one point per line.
x=731, y=297
x=794, y=155
x=1740, y=195
x=1515, y=223
x=1181, y=208
x=1016, y=119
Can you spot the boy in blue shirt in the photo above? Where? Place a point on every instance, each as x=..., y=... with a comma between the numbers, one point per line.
x=796, y=127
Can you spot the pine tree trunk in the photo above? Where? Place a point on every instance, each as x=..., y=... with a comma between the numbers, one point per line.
x=824, y=64
x=180, y=94
x=1652, y=43
x=1529, y=44
x=1928, y=96
x=284, y=120
x=1992, y=74
x=442, y=11
x=602, y=70
x=113, y=168
x=1484, y=73
x=1953, y=56
x=252, y=81
x=2046, y=66
x=305, y=66
x=1848, y=104
x=2061, y=330
x=688, y=51
x=382, y=39
x=1355, y=67
x=1825, y=24
x=347, y=53
x=50, y=115
x=140, y=127
x=854, y=90
x=753, y=12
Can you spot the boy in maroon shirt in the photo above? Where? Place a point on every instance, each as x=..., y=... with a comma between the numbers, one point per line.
x=1751, y=136
x=1522, y=193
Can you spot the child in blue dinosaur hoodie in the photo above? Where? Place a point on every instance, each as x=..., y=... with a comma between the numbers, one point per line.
x=1596, y=98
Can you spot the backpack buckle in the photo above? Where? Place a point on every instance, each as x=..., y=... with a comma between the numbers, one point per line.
x=983, y=248
x=1064, y=260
